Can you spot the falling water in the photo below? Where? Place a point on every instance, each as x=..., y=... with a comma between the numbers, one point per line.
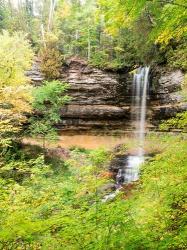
x=130, y=172
x=139, y=105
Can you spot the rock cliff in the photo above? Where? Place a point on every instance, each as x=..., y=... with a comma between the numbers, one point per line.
x=166, y=98
x=102, y=99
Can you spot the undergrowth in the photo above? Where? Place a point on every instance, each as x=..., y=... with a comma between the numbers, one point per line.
x=64, y=209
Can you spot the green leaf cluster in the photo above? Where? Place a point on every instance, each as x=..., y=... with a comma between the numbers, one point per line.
x=178, y=122
x=47, y=102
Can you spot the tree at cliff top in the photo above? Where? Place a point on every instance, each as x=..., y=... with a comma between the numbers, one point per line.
x=166, y=20
x=16, y=57
x=50, y=57
x=2, y=14
x=77, y=27
x=27, y=16
x=122, y=33
x=110, y=34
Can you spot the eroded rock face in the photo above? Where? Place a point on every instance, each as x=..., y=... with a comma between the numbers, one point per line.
x=165, y=94
x=97, y=99
x=102, y=99
x=35, y=74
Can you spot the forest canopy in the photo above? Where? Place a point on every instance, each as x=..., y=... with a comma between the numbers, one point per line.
x=110, y=34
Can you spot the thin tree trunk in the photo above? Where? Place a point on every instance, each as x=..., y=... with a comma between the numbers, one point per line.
x=43, y=35
x=89, y=45
x=10, y=7
x=51, y=14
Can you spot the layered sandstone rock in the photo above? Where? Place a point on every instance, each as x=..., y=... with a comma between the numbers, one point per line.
x=97, y=98
x=102, y=99
x=35, y=74
x=166, y=98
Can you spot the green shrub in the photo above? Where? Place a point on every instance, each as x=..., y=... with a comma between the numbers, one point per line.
x=48, y=99
x=51, y=58
x=51, y=63
x=178, y=122
x=177, y=58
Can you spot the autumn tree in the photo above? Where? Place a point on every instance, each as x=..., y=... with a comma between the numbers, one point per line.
x=16, y=57
x=51, y=58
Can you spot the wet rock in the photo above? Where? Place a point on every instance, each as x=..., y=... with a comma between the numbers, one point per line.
x=118, y=163
x=107, y=188
x=119, y=150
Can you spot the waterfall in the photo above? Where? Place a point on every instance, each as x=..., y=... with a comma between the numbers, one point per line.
x=140, y=86
x=139, y=105
x=130, y=171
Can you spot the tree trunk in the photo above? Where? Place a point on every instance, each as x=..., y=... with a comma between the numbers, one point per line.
x=89, y=45
x=51, y=15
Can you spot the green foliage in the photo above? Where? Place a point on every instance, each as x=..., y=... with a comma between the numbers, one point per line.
x=99, y=157
x=178, y=122
x=122, y=34
x=78, y=28
x=171, y=23
x=16, y=57
x=46, y=201
x=159, y=207
x=59, y=205
x=2, y=15
x=21, y=16
x=177, y=58
x=167, y=17
x=154, y=25
x=110, y=34
x=65, y=210
x=51, y=63
x=22, y=169
x=82, y=32
x=48, y=98
x=47, y=102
